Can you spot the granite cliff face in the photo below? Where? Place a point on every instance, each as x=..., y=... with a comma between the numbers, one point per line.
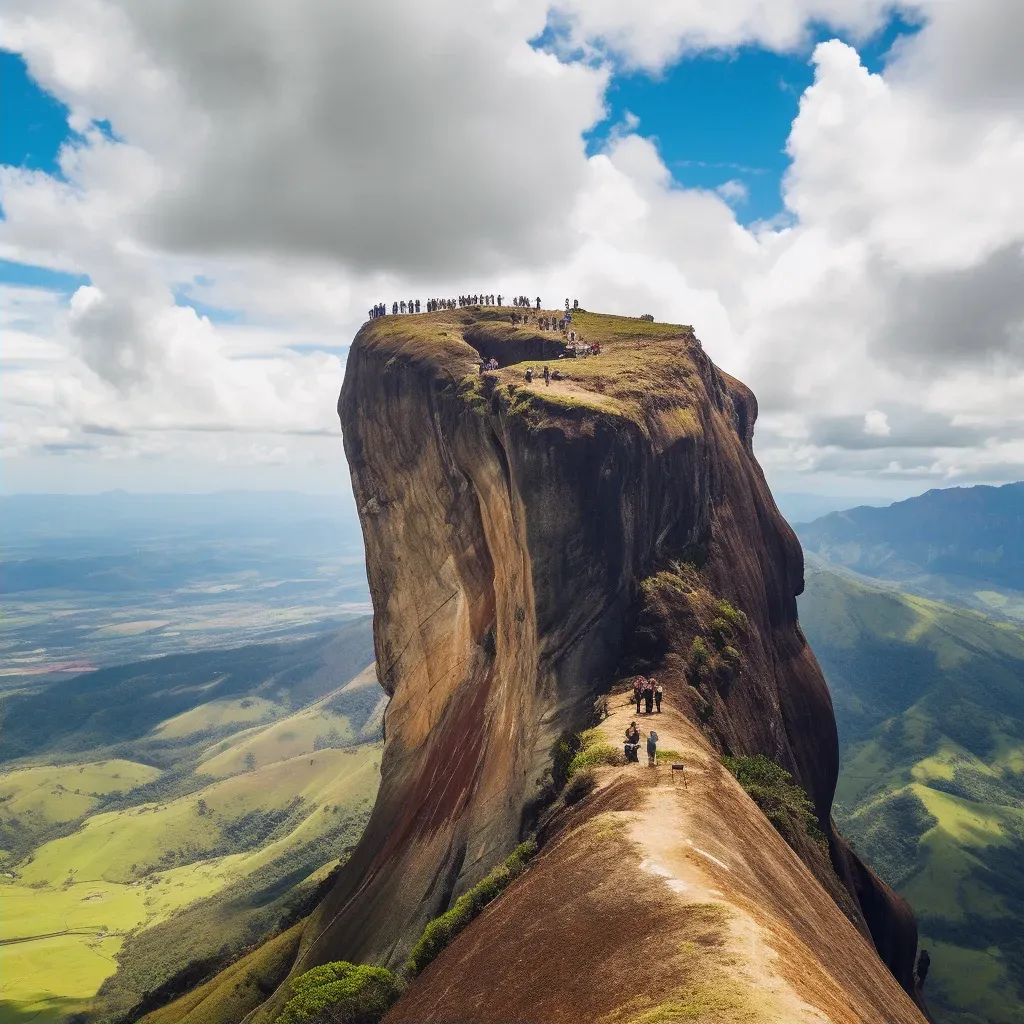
x=529, y=546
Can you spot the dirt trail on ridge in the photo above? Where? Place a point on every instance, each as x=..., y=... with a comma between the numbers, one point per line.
x=660, y=900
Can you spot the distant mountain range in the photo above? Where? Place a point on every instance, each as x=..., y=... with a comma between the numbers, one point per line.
x=961, y=544
x=929, y=701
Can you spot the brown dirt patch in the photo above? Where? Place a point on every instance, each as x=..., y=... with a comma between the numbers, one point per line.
x=580, y=936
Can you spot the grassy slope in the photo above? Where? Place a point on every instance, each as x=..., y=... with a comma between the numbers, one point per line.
x=144, y=871
x=38, y=797
x=930, y=706
x=233, y=993
x=617, y=383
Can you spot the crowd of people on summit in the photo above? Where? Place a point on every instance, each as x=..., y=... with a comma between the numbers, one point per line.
x=477, y=299
x=435, y=305
x=575, y=346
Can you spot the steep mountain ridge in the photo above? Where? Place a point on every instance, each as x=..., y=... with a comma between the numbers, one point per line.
x=528, y=547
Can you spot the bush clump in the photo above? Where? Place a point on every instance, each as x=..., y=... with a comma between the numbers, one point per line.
x=721, y=633
x=699, y=653
x=440, y=932
x=580, y=786
x=773, y=789
x=735, y=618
x=341, y=993
x=592, y=753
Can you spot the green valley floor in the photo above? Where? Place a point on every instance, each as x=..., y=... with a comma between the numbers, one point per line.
x=134, y=866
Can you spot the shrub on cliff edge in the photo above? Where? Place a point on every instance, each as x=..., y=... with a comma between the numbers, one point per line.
x=440, y=932
x=774, y=790
x=341, y=993
x=580, y=786
x=592, y=752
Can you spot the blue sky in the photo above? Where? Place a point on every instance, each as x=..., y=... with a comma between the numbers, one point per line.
x=716, y=118
x=725, y=117
x=35, y=123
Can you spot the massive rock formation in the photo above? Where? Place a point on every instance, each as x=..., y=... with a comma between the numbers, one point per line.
x=528, y=546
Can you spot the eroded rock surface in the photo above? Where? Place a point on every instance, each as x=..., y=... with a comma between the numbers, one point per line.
x=528, y=547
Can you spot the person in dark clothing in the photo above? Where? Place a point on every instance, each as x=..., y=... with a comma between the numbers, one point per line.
x=649, y=697
x=547, y=377
x=632, y=743
x=638, y=691
x=529, y=375
x=924, y=961
x=657, y=694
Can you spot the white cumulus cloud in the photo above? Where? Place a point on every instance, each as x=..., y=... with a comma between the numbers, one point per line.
x=297, y=162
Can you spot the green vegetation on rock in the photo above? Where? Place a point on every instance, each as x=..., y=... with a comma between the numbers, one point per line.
x=591, y=753
x=341, y=993
x=772, y=788
x=440, y=932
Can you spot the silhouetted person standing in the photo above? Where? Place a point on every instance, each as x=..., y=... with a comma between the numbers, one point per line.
x=924, y=961
x=657, y=695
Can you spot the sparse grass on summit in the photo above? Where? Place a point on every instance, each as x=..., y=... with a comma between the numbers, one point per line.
x=644, y=373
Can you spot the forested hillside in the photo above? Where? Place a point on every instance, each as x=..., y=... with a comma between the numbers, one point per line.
x=929, y=703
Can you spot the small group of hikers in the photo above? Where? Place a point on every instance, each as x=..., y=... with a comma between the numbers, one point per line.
x=522, y=300
x=548, y=375
x=631, y=745
x=579, y=349
x=433, y=305
x=648, y=692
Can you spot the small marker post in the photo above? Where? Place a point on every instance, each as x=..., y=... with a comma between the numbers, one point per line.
x=681, y=768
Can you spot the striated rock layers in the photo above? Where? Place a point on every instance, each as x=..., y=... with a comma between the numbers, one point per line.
x=530, y=545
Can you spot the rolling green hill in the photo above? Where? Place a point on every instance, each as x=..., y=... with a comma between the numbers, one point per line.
x=929, y=702
x=227, y=786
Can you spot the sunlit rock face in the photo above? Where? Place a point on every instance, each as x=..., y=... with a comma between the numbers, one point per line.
x=529, y=546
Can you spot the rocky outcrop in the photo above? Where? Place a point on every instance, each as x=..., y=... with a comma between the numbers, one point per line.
x=528, y=547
